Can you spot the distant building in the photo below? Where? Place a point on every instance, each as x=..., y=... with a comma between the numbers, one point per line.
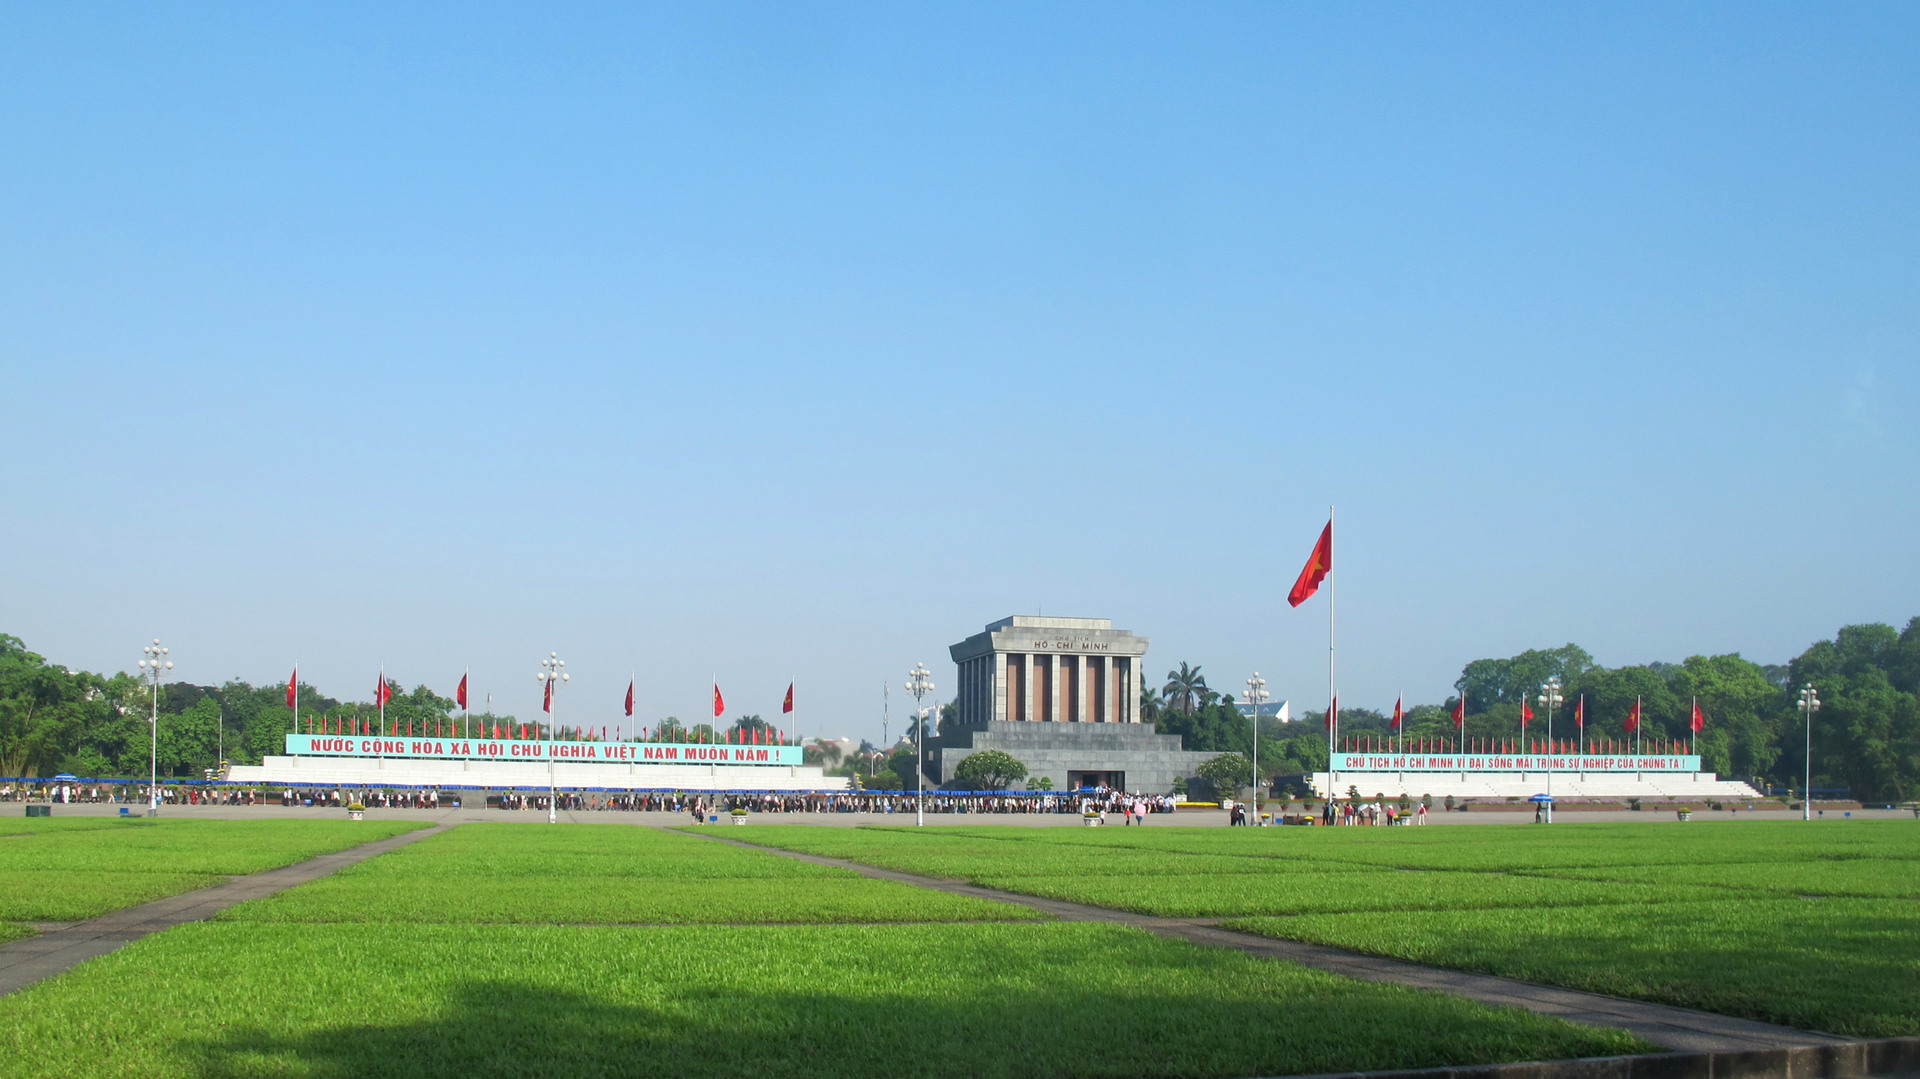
x=1062, y=696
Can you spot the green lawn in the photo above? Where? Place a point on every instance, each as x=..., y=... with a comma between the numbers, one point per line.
x=1847, y=966
x=81, y=867
x=977, y=1001
x=538, y=874
x=1717, y=915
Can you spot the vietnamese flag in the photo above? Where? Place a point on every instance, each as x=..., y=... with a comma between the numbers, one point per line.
x=546, y=703
x=460, y=695
x=786, y=706
x=1319, y=564
x=630, y=696
x=1580, y=712
x=1633, y=717
x=1332, y=713
x=293, y=682
x=1526, y=714
x=719, y=702
x=1396, y=713
x=1698, y=722
x=1460, y=712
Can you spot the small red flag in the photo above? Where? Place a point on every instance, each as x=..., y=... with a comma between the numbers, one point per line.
x=1319, y=564
x=460, y=695
x=629, y=696
x=1396, y=713
x=1526, y=715
x=787, y=705
x=1460, y=712
x=1633, y=718
x=1699, y=721
x=293, y=681
x=719, y=702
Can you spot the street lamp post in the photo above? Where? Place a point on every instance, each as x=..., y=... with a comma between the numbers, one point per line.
x=1549, y=697
x=920, y=683
x=553, y=673
x=155, y=663
x=1809, y=704
x=1256, y=696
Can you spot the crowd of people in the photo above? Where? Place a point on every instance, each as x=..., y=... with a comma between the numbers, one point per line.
x=1099, y=802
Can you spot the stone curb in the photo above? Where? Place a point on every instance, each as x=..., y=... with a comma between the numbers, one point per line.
x=1845, y=1060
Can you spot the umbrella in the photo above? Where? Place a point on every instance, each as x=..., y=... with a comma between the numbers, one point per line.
x=1541, y=798
x=65, y=776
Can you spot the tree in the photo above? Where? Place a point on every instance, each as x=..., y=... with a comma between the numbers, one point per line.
x=1227, y=773
x=1186, y=689
x=991, y=767
x=1044, y=783
x=1151, y=705
x=747, y=725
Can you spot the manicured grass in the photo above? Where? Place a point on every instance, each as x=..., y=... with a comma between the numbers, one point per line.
x=1695, y=914
x=1893, y=878
x=977, y=1001
x=77, y=870
x=1298, y=891
x=1848, y=966
x=604, y=874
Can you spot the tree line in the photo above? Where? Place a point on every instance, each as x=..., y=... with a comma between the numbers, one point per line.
x=1865, y=739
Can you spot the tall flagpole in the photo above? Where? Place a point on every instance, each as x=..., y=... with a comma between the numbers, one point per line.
x=296, y=696
x=1333, y=689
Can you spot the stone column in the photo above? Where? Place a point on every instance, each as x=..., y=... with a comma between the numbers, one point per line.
x=1132, y=702
x=1030, y=671
x=1084, y=663
x=999, y=687
x=1053, y=687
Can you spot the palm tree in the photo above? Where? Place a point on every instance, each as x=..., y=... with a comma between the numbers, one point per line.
x=1150, y=703
x=1186, y=688
x=824, y=753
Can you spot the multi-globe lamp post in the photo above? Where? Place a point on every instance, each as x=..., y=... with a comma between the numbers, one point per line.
x=920, y=683
x=153, y=666
x=1550, y=697
x=553, y=674
x=1256, y=696
x=1809, y=704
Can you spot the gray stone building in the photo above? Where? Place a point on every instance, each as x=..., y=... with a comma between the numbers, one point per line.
x=1062, y=696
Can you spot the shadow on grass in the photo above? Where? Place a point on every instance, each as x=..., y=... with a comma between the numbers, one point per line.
x=1119, y=1029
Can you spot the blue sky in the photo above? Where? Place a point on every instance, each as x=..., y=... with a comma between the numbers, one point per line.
x=771, y=341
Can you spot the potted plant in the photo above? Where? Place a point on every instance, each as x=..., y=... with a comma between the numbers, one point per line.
x=1685, y=812
x=356, y=811
x=739, y=815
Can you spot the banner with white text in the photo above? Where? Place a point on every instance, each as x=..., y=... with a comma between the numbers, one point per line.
x=512, y=749
x=1511, y=762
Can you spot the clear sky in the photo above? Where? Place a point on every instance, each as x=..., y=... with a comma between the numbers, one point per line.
x=767, y=341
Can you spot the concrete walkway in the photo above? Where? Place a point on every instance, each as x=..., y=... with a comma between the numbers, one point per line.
x=1677, y=1029
x=65, y=945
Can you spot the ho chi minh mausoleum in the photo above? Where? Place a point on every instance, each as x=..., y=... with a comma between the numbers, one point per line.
x=1061, y=696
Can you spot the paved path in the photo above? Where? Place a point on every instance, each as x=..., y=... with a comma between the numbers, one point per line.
x=66, y=944
x=1679, y=1029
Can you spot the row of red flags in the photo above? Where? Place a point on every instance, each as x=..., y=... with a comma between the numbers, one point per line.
x=383, y=694
x=450, y=728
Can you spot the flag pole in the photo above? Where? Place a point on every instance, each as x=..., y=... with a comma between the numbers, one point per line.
x=296, y=696
x=1333, y=690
